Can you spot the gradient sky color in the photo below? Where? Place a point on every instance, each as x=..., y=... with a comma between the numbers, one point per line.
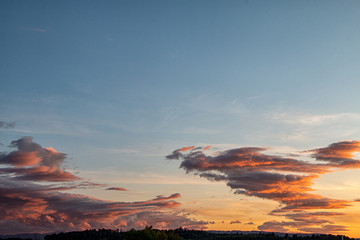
x=101, y=102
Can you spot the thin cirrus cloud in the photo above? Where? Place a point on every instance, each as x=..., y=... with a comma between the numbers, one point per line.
x=287, y=180
x=33, y=198
x=7, y=125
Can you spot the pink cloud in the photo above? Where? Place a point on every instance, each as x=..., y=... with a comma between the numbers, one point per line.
x=287, y=180
x=26, y=206
x=32, y=162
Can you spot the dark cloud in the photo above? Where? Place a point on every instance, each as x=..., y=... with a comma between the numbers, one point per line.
x=25, y=203
x=172, y=196
x=161, y=220
x=325, y=229
x=338, y=154
x=7, y=125
x=28, y=206
x=275, y=226
x=287, y=180
x=213, y=176
x=235, y=222
x=305, y=222
x=116, y=189
x=250, y=159
x=314, y=217
x=176, y=154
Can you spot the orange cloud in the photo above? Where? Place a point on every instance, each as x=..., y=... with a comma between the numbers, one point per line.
x=26, y=206
x=338, y=155
x=184, y=149
x=21, y=159
x=32, y=206
x=287, y=180
x=32, y=162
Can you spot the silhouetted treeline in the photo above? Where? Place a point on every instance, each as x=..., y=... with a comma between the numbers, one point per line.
x=15, y=239
x=105, y=234
x=197, y=235
x=183, y=234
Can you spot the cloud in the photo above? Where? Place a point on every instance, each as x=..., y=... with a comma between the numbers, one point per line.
x=184, y=149
x=32, y=162
x=235, y=222
x=338, y=154
x=116, y=189
x=48, y=210
x=311, y=119
x=316, y=217
x=287, y=180
x=305, y=222
x=162, y=220
x=7, y=125
x=325, y=229
x=33, y=198
x=172, y=196
x=176, y=154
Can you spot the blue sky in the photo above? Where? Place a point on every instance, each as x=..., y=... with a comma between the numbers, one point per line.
x=120, y=84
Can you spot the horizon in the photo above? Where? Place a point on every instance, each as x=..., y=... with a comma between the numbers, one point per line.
x=23, y=235
x=201, y=114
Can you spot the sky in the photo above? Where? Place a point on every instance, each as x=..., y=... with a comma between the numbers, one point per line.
x=216, y=115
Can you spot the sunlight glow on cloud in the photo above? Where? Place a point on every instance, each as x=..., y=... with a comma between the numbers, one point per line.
x=32, y=162
x=286, y=180
x=27, y=206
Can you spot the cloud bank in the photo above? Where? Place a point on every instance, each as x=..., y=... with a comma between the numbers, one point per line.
x=286, y=180
x=33, y=198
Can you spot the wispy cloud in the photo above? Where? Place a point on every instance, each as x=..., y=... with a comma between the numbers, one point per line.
x=308, y=127
x=36, y=29
x=311, y=119
x=7, y=125
x=288, y=180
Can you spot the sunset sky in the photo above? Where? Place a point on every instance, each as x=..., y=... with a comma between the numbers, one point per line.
x=217, y=115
